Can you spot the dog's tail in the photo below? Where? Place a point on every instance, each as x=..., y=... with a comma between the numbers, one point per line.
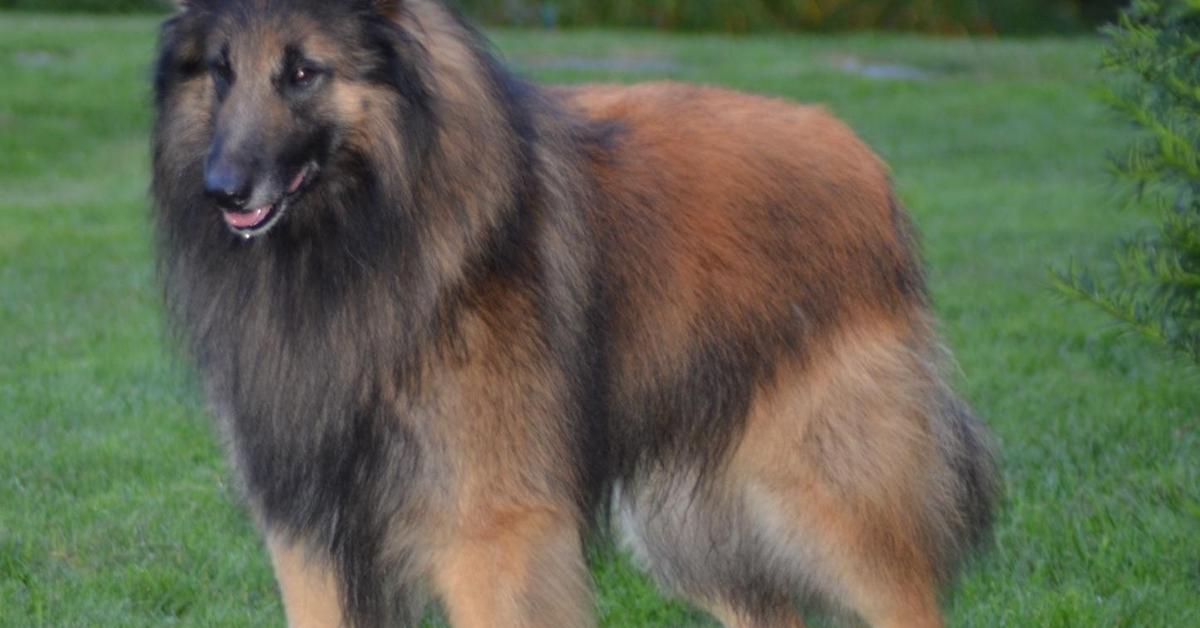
x=972, y=489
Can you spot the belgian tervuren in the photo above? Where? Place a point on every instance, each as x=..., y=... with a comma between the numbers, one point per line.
x=452, y=324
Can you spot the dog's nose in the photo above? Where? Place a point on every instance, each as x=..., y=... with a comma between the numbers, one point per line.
x=229, y=185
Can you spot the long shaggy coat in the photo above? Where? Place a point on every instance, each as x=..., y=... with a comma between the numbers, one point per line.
x=479, y=316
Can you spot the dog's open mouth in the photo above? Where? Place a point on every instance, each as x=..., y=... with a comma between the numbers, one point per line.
x=258, y=221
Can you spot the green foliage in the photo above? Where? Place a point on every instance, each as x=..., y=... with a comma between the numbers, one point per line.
x=944, y=16
x=88, y=6
x=1154, y=283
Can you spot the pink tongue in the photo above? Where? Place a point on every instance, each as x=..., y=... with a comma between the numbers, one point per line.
x=247, y=220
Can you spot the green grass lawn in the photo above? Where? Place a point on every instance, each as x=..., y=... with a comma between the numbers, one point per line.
x=115, y=508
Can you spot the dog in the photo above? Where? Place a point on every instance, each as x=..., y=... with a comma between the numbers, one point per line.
x=455, y=326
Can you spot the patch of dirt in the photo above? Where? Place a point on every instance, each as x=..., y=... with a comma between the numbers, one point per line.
x=882, y=71
x=35, y=58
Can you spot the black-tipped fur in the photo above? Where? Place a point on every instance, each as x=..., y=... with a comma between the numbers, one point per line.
x=468, y=230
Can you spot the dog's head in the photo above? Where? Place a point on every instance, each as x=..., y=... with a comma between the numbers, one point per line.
x=260, y=100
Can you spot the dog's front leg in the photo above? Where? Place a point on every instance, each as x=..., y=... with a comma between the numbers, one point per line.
x=517, y=566
x=309, y=588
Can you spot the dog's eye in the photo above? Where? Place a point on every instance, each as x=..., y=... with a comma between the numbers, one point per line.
x=222, y=75
x=221, y=71
x=304, y=76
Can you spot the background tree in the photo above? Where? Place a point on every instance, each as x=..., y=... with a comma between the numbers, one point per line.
x=1154, y=284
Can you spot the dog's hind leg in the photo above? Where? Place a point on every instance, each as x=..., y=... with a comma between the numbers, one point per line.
x=730, y=618
x=514, y=568
x=309, y=588
x=851, y=557
x=693, y=536
x=858, y=483
x=866, y=477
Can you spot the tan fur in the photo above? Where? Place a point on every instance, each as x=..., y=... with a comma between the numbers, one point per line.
x=506, y=549
x=309, y=589
x=732, y=619
x=836, y=458
x=515, y=568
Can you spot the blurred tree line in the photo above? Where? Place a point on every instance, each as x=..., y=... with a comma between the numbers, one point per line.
x=87, y=6
x=940, y=16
